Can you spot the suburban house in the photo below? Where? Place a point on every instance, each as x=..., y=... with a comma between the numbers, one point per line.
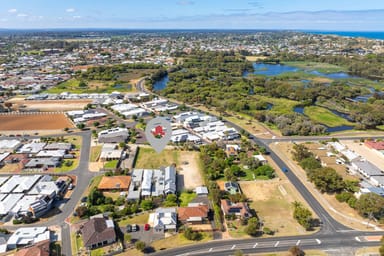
x=370, y=171
x=164, y=219
x=110, y=152
x=201, y=191
x=240, y=209
x=39, y=249
x=27, y=236
x=232, y=187
x=261, y=159
x=232, y=150
x=194, y=213
x=115, y=135
x=98, y=232
x=153, y=182
x=38, y=163
x=9, y=145
x=120, y=183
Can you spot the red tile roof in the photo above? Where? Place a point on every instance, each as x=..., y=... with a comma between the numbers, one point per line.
x=378, y=145
x=184, y=213
x=39, y=249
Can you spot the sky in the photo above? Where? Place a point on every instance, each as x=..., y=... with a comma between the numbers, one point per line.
x=334, y=15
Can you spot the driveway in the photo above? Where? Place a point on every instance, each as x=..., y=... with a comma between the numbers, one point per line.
x=146, y=236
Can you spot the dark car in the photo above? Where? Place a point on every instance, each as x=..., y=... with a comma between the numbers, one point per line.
x=146, y=227
x=285, y=169
x=129, y=228
x=84, y=199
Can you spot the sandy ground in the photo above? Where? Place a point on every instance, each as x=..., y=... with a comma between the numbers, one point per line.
x=190, y=173
x=49, y=105
x=22, y=122
x=371, y=155
x=339, y=211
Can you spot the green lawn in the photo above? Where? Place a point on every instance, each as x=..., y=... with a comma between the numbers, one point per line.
x=111, y=164
x=149, y=158
x=318, y=66
x=76, y=242
x=139, y=219
x=325, y=116
x=65, y=168
x=97, y=252
x=185, y=198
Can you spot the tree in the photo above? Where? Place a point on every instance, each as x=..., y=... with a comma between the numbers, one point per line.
x=300, y=152
x=96, y=123
x=229, y=176
x=140, y=246
x=326, y=180
x=80, y=126
x=265, y=170
x=310, y=163
x=370, y=204
x=296, y=251
x=170, y=200
x=146, y=205
x=252, y=228
x=96, y=197
x=81, y=211
x=238, y=253
x=302, y=215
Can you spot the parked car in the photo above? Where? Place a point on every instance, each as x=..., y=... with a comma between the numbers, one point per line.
x=146, y=227
x=84, y=199
x=134, y=228
x=129, y=228
x=70, y=187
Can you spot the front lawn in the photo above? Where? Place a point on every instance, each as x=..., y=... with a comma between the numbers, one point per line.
x=139, y=219
x=185, y=198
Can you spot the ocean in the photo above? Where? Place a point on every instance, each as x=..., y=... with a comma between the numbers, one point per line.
x=365, y=34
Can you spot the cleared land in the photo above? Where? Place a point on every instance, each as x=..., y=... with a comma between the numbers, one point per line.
x=147, y=157
x=178, y=240
x=271, y=200
x=189, y=171
x=325, y=116
x=25, y=122
x=49, y=105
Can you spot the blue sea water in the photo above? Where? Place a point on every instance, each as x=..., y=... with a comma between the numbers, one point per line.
x=365, y=34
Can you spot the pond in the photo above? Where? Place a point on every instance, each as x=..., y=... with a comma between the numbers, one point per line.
x=161, y=84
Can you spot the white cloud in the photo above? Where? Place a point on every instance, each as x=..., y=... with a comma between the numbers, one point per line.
x=22, y=15
x=70, y=10
x=12, y=10
x=77, y=17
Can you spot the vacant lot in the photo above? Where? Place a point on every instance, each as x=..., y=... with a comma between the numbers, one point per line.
x=147, y=157
x=49, y=105
x=23, y=122
x=271, y=200
x=189, y=170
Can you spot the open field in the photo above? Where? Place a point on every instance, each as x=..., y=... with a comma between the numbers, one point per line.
x=94, y=86
x=179, y=240
x=312, y=66
x=49, y=105
x=325, y=116
x=272, y=199
x=147, y=157
x=255, y=58
x=280, y=106
x=33, y=121
x=138, y=219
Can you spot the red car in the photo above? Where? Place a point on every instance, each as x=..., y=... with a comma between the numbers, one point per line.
x=146, y=227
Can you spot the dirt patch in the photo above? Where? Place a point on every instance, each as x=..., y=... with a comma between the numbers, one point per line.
x=33, y=121
x=49, y=105
x=189, y=170
x=271, y=200
x=371, y=155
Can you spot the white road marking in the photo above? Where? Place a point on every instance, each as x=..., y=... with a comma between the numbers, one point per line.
x=233, y=247
x=298, y=242
x=210, y=249
x=276, y=244
x=255, y=245
x=357, y=239
x=318, y=241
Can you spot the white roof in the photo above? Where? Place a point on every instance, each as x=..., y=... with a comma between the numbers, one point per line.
x=9, y=202
x=44, y=188
x=31, y=235
x=135, y=111
x=33, y=147
x=9, y=144
x=350, y=155
x=337, y=146
x=26, y=183
x=51, y=153
x=4, y=155
x=3, y=179
x=23, y=204
x=147, y=182
x=10, y=184
x=201, y=190
x=260, y=158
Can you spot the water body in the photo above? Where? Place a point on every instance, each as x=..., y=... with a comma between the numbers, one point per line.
x=161, y=84
x=366, y=34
